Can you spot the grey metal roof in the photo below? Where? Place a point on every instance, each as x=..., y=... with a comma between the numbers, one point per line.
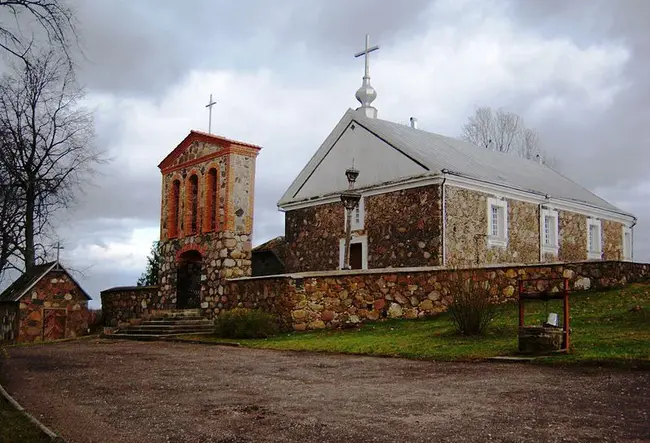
x=25, y=282
x=437, y=152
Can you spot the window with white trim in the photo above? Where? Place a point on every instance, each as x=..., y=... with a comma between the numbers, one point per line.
x=549, y=231
x=361, y=240
x=497, y=214
x=358, y=216
x=627, y=243
x=594, y=239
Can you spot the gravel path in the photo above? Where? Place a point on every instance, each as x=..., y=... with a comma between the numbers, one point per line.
x=114, y=391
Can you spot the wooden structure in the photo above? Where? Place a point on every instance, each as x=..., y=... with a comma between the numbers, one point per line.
x=545, y=295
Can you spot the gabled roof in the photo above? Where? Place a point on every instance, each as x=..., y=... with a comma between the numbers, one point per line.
x=28, y=280
x=277, y=246
x=437, y=152
x=201, y=137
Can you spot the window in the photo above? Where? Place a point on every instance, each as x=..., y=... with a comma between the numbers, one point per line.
x=497, y=222
x=211, y=205
x=549, y=231
x=358, y=252
x=174, y=209
x=627, y=243
x=193, y=204
x=593, y=239
x=358, y=216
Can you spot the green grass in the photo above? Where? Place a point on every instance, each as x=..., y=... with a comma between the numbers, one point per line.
x=16, y=428
x=604, y=330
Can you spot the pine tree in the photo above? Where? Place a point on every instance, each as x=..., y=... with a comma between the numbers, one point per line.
x=150, y=276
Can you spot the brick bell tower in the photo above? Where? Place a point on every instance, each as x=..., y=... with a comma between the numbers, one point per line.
x=206, y=220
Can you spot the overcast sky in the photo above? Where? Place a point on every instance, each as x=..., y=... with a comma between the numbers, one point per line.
x=283, y=74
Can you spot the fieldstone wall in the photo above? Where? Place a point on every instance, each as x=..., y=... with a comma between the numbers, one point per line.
x=573, y=236
x=466, y=230
x=8, y=322
x=403, y=229
x=127, y=302
x=329, y=299
x=224, y=255
x=54, y=292
x=612, y=240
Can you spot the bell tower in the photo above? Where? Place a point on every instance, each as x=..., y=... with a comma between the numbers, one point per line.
x=206, y=220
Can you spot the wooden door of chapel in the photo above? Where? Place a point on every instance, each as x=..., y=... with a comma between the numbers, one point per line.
x=54, y=324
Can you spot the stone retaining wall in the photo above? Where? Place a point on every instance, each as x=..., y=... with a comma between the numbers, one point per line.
x=329, y=299
x=8, y=322
x=123, y=303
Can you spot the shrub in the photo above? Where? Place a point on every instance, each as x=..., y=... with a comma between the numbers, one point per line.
x=472, y=306
x=246, y=323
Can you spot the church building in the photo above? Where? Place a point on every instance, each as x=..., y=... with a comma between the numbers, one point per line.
x=433, y=200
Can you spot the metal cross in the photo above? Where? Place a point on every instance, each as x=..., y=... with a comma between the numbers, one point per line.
x=58, y=248
x=209, y=106
x=367, y=52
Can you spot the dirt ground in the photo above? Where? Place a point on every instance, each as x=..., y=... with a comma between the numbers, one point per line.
x=114, y=391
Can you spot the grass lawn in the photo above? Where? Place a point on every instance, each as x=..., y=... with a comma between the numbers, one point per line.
x=15, y=428
x=604, y=330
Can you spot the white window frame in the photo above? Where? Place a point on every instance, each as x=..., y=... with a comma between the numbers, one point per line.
x=596, y=253
x=363, y=239
x=361, y=208
x=554, y=246
x=501, y=240
x=627, y=249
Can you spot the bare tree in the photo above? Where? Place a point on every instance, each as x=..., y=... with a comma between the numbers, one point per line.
x=48, y=151
x=53, y=17
x=506, y=132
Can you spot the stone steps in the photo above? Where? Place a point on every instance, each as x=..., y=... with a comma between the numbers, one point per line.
x=166, y=324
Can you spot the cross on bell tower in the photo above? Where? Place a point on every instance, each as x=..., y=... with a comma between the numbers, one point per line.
x=366, y=94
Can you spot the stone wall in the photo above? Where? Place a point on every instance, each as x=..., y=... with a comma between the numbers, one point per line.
x=123, y=303
x=56, y=294
x=224, y=255
x=467, y=225
x=466, y=229
x=8, y=322
x=403, y=228
x=328, y=299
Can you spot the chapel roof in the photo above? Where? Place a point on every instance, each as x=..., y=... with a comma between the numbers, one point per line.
x=29, y=279
x=435, y=153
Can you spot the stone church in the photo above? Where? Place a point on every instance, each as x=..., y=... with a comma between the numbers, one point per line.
x=432, y=200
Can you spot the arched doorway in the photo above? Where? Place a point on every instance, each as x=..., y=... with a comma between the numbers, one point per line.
x=188, y=283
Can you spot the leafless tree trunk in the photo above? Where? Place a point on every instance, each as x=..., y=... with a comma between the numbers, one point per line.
x=52, y=17
x=49, y=149
x=504, y=131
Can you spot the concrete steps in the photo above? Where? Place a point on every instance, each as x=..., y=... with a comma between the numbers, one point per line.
x=166, y=324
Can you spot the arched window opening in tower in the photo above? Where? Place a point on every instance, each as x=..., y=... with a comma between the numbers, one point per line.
x=212, y=205
x=174, y=209
x=194, y=204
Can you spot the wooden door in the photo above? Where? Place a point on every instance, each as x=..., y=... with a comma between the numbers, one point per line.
x=356, y=253
x=54, y=324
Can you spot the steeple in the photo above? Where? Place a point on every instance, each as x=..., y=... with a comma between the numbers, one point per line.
x=366, y=94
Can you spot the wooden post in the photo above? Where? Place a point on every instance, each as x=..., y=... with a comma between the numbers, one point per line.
x=521, y=304
x=567, y=343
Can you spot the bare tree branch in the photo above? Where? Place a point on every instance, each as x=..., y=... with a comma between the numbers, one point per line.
x=506, y=132
x=48, y=152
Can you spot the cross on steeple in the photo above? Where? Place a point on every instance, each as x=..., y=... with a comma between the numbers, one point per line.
x=366, y=94
x=210, y=104
x=367, y=52
x=58, y=248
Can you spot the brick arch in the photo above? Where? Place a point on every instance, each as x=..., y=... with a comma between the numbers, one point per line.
x=190, y=247
x=174, y=204
x=190, y=214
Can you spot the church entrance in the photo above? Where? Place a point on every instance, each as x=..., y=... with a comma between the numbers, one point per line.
x=356, y=256
x=188, y=284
